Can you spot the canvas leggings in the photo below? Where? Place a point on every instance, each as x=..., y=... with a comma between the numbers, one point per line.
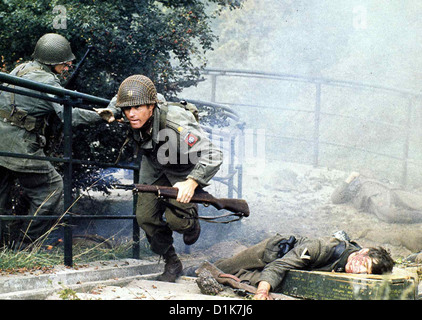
x=42, y=195
x=159, y=220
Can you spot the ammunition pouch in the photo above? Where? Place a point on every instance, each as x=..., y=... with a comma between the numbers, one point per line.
x=21, y=119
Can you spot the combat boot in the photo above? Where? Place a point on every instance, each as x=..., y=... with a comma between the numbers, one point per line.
x=172, y=268
x=192, y=235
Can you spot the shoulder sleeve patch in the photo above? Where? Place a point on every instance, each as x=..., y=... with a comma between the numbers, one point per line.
x=305, y=254
x=191, y=139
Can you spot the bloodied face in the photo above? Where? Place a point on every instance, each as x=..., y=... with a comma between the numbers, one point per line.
x=359, y=262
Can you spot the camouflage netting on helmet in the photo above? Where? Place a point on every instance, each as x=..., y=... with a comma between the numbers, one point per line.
x=53, y=49
x=136, y=90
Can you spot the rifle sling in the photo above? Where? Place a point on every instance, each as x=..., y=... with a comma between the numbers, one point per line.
x=174, y=209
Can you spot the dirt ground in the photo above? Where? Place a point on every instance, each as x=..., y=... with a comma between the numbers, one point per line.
x=295, y=199
x=284, y=198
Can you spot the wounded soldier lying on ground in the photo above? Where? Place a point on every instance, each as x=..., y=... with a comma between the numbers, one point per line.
x=387, y=201
x=264, y=265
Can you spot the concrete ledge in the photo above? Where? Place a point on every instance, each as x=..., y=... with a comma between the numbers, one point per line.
x=67, y=276
x=116, y=272
x=43, y=293
x=144, y=288
x=130, y=275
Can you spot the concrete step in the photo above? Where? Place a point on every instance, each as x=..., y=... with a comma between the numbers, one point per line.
x=143, y=288
x=38, y=285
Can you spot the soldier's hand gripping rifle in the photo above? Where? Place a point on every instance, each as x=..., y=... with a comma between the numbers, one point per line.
x=239, y=207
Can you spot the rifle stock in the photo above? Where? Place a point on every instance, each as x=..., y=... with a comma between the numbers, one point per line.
x=237, y=206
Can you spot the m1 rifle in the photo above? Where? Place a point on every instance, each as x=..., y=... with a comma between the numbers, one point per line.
x=53, y=130
x=70, y=82
x=239, y=207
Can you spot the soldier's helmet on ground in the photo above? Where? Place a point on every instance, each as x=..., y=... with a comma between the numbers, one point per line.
x=136, y=90
x=53, y=49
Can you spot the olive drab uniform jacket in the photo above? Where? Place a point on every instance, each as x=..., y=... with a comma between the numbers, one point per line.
x=178, y=149
x=175, y=147
x=262, y=262
x=23, y=119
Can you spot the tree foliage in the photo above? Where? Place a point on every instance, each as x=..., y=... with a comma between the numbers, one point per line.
x=164, y=40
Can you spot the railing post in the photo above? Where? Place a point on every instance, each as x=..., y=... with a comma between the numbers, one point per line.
x=230, y=184
x=136, y=232
x=2, y=239
x=317, y=114
x=241, y=154
x=213, y=87
x=406, y=142
x=67, y=181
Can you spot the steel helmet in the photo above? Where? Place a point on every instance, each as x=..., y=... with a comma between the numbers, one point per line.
x=53, y=49
x=136, y=90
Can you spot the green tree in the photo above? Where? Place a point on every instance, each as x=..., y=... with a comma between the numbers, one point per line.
x=164, y=40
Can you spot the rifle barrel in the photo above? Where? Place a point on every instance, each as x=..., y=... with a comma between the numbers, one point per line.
x=76, y=71
x=46, y=88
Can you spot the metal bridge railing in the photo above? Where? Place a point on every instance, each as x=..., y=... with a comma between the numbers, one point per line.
x=235, y=146
x=319, y=83
x=70, y=99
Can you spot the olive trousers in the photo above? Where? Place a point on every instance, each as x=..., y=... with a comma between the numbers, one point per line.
x=160, y=217
x=42, y=195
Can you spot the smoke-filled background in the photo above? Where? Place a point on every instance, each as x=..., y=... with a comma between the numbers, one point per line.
x=322, y=88
x=367, y=41
x=332, y=56
x=336, y=89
